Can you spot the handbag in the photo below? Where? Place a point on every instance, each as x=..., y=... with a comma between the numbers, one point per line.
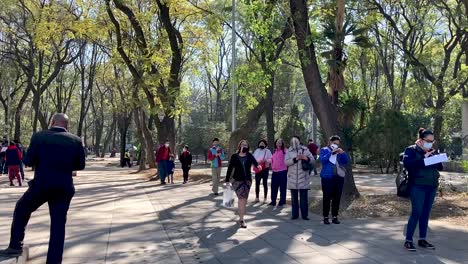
x=263, y=165
x=340, y=170
x=402, y=184
x=307, y=166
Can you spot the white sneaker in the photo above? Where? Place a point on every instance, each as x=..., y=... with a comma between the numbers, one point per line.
x=265, y=201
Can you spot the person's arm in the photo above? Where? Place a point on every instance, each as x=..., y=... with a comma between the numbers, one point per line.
x=80, y=161
x=289, y=160
x=211, y=156
x=31, y=156
x=230, y=168
x=343, y=159
x=325, y=155
x=223, y=155
x=269, y=156
x=410, y=161
x=254, y=160
x=20, y=155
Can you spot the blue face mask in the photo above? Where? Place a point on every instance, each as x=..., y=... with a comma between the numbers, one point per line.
x=428, y=145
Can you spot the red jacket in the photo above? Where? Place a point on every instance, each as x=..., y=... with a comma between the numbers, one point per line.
x=313, y=148
x=163, y=153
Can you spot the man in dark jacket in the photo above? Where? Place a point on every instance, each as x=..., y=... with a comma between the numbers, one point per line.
x=13, y=160
x=55, y=154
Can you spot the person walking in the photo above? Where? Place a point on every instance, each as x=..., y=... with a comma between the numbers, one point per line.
x=13, y=160
x=216, y=156
x=333, y=160
x=297, y=159
x=23, y=153
x=313, y=148
x=423, y=183
x=263, y=157
x=162, y=158
x=239, y=171
x=55, y=154
x=279, y=178
x=170, y=169
x=185, y=159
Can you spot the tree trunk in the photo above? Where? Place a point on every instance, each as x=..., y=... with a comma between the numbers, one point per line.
x=123, y=124
x=166, y=131
x=269, y=111
x=109, y=136
x=438, y=122
x=324, y=109
x=137, y=115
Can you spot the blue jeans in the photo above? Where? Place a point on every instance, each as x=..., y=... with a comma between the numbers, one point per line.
x=304, y=203
x=162, y=170
x=279, y=180
x=422, y=197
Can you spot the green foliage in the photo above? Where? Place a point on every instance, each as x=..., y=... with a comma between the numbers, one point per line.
x=294, y=126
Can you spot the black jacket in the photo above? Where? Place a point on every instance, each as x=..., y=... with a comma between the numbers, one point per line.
x=55, y=154
x=241, y=172
x=186, y=161
x=418, y=173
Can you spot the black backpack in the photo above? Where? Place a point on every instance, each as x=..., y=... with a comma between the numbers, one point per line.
x=402, y=182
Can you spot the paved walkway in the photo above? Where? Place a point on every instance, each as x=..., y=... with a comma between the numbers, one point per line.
x=117, y=217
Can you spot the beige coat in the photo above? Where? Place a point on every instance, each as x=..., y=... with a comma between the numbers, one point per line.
x=297, y=177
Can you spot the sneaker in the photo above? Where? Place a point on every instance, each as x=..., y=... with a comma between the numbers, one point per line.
x=326, y=221
x=409, y=246
x=281, y=204
x=336, y=221
x=257, y=200
x=10, y=252
x=306, y=218
x=272, y=204
x=163, y=183
x=11, y=184
x=265, y=200
x=424, y=244
x=216, y=194
x=242, y=224
x=294, y=218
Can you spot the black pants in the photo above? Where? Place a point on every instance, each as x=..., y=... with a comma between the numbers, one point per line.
x=59, y=202
x=127, y=163
x=186, y=173
x=279, y=180
x=332, y=189
x=303, y=204
x=263, y=175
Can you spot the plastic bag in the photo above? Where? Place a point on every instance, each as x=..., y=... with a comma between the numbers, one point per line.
x=228, y=197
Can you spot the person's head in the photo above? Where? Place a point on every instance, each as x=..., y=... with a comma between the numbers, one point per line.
x=311, y=141
x=427, y=137
x=167, y=143
x=295, y=142
x=262, y=144
x=186, y=148
x=243, y=146
x=12, y=143
x=60, y=120
x=216, y=142
x=334, y=142
x=279, y=144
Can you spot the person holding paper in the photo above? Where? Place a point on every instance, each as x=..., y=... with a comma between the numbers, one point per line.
x=333, y=160
x=423, y=183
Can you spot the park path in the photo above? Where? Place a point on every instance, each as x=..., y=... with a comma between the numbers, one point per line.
x=118, y=217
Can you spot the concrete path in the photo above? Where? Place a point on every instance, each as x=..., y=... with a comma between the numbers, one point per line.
x=117, y=217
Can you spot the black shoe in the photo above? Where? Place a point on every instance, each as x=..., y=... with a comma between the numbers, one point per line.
x=294, y=218
x=425, y=244
x=10, y=252
x=216, y=194
x=336, y=221
x=272, y=204
x=326, y=221
x=163, y=183
x=242, y=224
x=184, y=182
x=409, y=246
x=11, y=184
x=305, y=218
x=281, y=204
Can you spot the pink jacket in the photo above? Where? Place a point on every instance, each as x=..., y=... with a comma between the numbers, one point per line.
x=277, y=161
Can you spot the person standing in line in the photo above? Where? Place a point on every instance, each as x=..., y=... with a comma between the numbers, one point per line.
x=216, y=156
x=313, y=148
x=13, y=160
x=263, y=157
x=55, y=154
x=279, y=178
x=298, y=177
x=333, y=160
x=185, y=159
x=162, y=158
x=240, y=166
x=423, y=183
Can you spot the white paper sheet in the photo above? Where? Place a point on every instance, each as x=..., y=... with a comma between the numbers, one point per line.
x=3, y=149
x=332, y=158
x=436, y=159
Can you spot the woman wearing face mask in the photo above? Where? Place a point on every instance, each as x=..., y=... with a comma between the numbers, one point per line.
x=185, y=159
x=298, y=177
x=423, y=182
x=263, y=157
x=240, y=166
x=279, y=178
x=332, y=158
x=162, y=159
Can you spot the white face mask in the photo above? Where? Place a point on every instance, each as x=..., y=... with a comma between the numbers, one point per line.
x=428, y=145
x=295, y=143
x=167, y=145
x=334, y=146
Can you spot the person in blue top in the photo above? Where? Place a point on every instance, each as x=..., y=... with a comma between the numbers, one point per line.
x=333, y=160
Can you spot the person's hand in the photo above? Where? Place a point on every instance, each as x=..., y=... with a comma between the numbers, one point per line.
x=429, y=153
x=340, y=151
x=218, y=154
x=259, y=167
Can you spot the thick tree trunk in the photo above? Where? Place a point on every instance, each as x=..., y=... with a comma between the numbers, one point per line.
x=137, y=116
x=148, y=142
x=166, y=131
x=325, y=110
x=109, y=136
x=123, y=124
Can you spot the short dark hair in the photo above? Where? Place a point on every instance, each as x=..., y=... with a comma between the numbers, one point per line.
x=423, y=133
x=12, y=143
x=335, y=137
x=186, y=146
x=262, y=140
x=215, y=139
